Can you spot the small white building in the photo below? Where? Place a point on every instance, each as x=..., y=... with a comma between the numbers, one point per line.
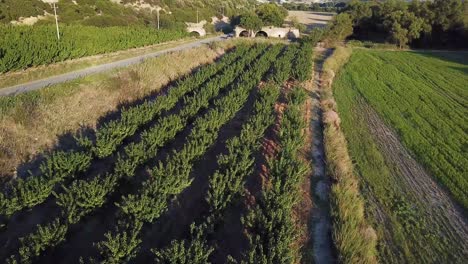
x=269, y=32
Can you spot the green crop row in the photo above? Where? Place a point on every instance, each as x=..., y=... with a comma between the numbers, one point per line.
x=303, y=63
x=138, y=153
x=84, y=197
x=22, y=47
x=26, y=193
x=282, y=68
x=113, y=133
x=59, y=166
x=270, y=227
x=225, y=184
x=171, y=177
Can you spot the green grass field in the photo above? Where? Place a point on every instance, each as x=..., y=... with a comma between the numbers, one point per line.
x=423, y=98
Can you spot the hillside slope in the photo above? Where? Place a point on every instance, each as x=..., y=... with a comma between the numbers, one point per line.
x=115, y=12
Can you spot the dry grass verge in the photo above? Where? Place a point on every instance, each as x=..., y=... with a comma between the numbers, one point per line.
x=34, y=122
x=354, y=238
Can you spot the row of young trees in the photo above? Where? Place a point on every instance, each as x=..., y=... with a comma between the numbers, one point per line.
x=270, y=224
x=172, y=176
x=438, y=23
x=61, y=166
x=22, y=47
x=112, y=134
x=225, y=185
x=86, y=196
x=139, y=153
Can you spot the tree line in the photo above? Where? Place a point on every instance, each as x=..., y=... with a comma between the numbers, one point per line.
x=427, y=24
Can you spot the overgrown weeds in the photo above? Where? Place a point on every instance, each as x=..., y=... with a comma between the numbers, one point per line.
x=354, y=238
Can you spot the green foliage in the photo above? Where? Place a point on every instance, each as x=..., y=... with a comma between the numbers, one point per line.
x=228, y=181
x=422, y=23
x=169, y=126
x=303, y=63
x=172, y=176
x=250, y=21
x=14, y=9
x=340, y=29
x=43, y=238
x=183, y=252
x=61, y=165
x=271, y=230
x=426, y=112
x=24, y=46
x=272, y=14
x=234, y=167
x=281, y=70
x=122, y=245
x=83, y=197
x=34, y=190
x=112, y=134
x=422, y=107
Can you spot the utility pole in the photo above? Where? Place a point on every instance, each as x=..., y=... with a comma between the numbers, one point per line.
x=56, y=22
x=197, y=16
x=158, y=16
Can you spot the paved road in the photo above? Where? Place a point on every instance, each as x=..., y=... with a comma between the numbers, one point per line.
x=35, y=85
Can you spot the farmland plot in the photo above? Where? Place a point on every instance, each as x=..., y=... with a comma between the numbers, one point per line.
x=107, y=199
x=404, y=117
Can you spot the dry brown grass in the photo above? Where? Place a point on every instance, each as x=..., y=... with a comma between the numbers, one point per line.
x=27, y=129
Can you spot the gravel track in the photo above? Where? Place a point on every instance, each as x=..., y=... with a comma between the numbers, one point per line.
x=321, y=219
x=39, y=84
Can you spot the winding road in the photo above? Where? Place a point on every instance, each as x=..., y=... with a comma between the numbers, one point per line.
x=39, y=84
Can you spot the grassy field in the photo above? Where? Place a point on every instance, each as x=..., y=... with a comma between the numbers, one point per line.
x=421, y=98
x=176, y=163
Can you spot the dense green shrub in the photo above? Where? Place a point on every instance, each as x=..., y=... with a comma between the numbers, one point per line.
x=270, y=225
x=302, y=69
x=24, y=46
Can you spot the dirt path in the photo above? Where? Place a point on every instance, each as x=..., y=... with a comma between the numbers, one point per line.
x=439, y=208
x=321, y=219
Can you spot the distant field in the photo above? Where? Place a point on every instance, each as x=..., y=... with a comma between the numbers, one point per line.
x=401, y=110
x=311, y=19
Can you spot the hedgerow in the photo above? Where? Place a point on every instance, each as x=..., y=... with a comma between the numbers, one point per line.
x=26, y=46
